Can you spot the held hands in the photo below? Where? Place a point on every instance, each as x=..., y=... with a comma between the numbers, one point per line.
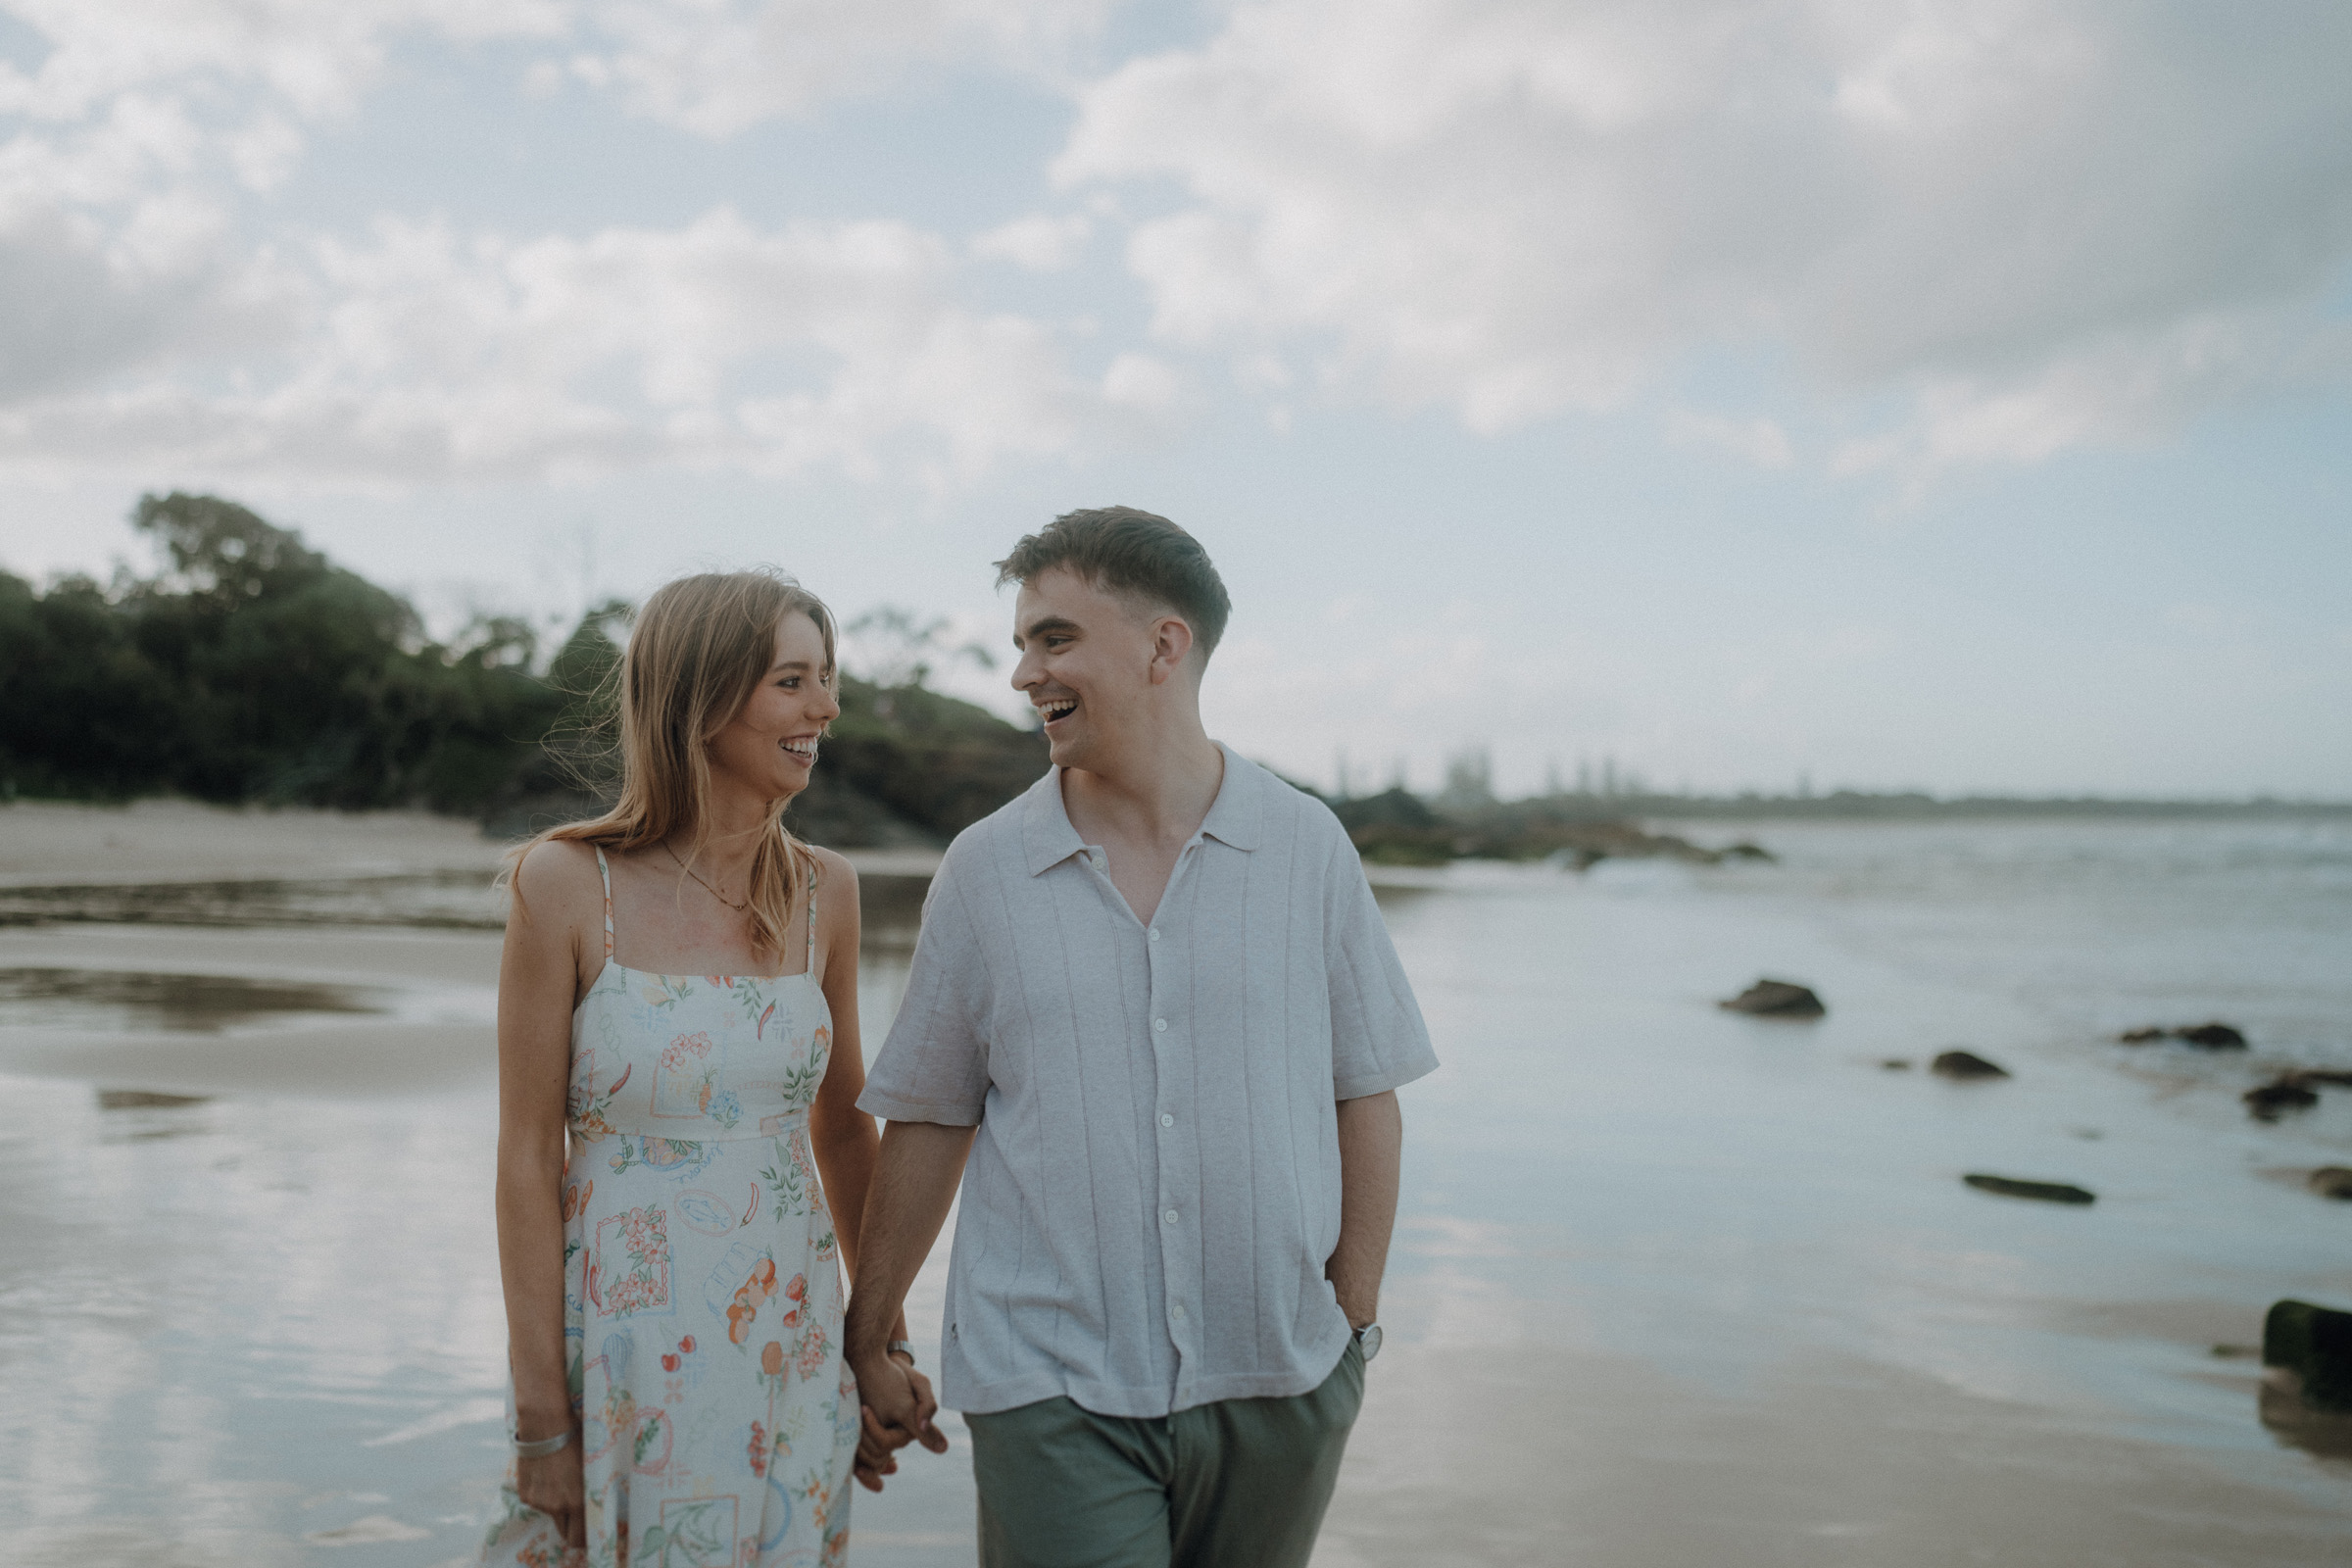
x=896, y=1409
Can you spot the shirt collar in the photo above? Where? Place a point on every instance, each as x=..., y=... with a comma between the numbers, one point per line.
x=1234, y=817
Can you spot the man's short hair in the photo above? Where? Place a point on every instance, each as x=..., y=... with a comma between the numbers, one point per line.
x=1131, y=551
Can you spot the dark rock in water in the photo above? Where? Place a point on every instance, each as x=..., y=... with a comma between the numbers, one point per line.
x=2314, y=1344
x=1964, y=1064
x=1896, y=1065
x=1776, y=998
x=1745, y=850
x=2235, y=1352
x=2314, y=1077
x=144, y=1099
x=2331, y=1181
x=2210, y=1036
x=2046, y=1191
x=2270, y=1099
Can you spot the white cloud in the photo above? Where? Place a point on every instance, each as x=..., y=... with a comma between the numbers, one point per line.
x=2043, y=223
x=1040, y=242
x=428, y=355
x=155, y=312
x=718, y=67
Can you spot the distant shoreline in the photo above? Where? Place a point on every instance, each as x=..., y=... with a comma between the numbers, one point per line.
x=1847, y=804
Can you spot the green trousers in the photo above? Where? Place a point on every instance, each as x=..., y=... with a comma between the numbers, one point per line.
x=1238, y=1483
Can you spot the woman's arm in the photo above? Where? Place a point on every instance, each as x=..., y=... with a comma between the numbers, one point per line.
x=538, y=983
x=844, y=1136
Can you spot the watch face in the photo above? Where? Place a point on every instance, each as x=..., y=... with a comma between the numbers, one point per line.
x=1367, y=1340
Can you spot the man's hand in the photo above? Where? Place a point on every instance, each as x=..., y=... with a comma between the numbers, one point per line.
x=896, y=1407
x=1371, y=1151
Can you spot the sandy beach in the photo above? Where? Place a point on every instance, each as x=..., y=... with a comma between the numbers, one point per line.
x=1672, y=1286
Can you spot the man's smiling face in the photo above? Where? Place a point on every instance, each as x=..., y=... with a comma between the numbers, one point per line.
x=1086, y=665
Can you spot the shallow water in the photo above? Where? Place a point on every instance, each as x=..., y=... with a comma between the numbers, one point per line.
x=1670, y=1286
x=451, y=900
x=36, y=998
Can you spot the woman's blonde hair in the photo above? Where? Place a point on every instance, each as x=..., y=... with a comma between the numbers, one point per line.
x=699, y=648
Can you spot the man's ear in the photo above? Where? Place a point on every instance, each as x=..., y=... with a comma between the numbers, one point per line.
x=1171, y=645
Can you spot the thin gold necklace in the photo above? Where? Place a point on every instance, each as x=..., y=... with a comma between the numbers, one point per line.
x=739, y=908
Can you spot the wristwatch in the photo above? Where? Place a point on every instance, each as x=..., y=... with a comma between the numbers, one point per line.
x=1368, y=1341
x=904, y=1347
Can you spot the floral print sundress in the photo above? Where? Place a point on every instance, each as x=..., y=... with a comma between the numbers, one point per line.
x=701, y=1279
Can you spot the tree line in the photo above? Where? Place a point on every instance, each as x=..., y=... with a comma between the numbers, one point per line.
x=250, y=669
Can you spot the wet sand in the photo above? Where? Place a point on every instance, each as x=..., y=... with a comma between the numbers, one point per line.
x=1671, y=1287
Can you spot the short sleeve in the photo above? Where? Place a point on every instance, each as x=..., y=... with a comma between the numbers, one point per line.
x=1378, y=1040
x=934, y=1065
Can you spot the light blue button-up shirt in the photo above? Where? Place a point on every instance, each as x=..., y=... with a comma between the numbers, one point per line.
x=1155, y=1187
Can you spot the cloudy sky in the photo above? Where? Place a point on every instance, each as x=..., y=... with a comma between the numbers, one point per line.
x=1943, y=393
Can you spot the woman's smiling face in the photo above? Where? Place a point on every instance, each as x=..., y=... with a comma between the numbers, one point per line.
x=769, y=746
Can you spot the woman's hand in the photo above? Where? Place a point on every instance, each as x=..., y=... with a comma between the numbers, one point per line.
x=554, y=1486
x=897, y=1388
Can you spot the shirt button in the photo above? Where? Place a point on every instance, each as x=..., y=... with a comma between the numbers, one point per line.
x=1166, y=1121
x=1169, y=1217
x=1156, y=933
x=1159, y=1026
x=1177, y=1311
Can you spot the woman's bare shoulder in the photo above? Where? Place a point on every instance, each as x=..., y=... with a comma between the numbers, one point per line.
x=834, y=870
x=559, y=877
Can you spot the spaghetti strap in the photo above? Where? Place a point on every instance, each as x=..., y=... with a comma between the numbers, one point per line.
x=814, y=871
x=605, y=872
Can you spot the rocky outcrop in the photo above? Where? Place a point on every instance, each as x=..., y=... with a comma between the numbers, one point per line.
x=2275, y=1098
x=2206, y=1036
x=1965, y=1065
x=2331, y=1181
x=2044, y=1192
x=1776, y=998
x=2311, y=1346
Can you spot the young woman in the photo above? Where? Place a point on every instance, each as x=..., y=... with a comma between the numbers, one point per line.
x=679, y=995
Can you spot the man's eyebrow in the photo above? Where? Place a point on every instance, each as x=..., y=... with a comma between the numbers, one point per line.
x=1041, y=625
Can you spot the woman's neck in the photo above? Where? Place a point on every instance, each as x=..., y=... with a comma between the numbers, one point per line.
x=730, y=834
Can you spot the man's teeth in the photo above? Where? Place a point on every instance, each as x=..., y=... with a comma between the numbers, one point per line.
x=1056, y=707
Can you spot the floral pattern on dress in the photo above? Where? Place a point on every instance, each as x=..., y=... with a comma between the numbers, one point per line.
x=702, y=1288
x=630, y=1271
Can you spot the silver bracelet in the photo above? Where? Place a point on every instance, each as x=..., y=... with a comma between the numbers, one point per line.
x=539, y=1448
x=904, y=1347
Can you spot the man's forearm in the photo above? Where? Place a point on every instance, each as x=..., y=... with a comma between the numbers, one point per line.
x=1371, y=1152
x=914, y=1184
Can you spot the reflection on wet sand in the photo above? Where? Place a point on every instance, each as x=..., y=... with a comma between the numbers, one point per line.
x=462, y=900
x=1672, y=1286
x=175, y=1004
x=2292, y=1422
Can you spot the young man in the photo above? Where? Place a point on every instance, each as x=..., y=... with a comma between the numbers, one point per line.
x=1157, y=992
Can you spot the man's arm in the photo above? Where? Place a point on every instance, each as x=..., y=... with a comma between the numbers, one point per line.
x=1371, y=1149
x=914, y=1184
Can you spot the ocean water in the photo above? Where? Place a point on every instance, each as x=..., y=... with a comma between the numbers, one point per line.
x=1671, y=1284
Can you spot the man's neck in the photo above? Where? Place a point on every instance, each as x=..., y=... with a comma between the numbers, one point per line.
x=1158, y=794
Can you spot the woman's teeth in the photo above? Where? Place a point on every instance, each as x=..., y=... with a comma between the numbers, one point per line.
x=802, y=749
